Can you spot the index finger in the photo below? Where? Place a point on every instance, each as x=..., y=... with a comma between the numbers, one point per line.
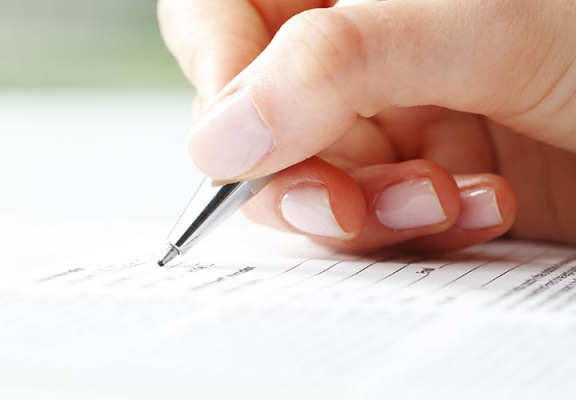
x=213, y=41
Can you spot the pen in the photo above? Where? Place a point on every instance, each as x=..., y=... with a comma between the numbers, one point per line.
x=212, y=204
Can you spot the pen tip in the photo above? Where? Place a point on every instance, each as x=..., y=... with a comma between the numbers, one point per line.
x=171, y=254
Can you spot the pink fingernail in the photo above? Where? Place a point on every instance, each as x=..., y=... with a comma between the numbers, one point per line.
x=307, y=208
x=231, y=139
x=479, y=209
x=410, y=204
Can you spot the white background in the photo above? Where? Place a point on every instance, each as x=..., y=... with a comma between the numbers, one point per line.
x=84, y=173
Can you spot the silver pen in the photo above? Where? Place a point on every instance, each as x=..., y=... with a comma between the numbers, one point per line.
x=210, y=205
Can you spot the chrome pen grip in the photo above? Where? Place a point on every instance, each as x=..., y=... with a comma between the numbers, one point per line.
x=210, y=206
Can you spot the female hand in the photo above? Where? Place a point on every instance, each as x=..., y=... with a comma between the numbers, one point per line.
x=405, y=122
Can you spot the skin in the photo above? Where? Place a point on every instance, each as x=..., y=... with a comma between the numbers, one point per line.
x=468, y=94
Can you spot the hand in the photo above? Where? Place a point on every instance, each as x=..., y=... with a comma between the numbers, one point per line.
x=413, y=123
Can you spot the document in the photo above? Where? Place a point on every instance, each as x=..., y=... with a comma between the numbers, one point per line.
x=259, y=314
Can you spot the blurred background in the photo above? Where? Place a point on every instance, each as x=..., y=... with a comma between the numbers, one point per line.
x=94, y=115
x=83, y=44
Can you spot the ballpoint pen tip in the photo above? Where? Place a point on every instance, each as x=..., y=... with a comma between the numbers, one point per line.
x=169, y=256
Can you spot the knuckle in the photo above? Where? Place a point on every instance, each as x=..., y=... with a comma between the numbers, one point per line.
x=325, y=45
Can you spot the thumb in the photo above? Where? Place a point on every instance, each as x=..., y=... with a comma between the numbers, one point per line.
x=327, y=67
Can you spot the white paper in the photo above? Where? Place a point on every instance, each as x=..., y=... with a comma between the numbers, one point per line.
x=260, y=314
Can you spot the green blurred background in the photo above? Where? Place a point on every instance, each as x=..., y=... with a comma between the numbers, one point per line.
x=84, y=44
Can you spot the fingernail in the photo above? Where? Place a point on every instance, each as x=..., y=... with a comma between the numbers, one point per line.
x=231, y=139
x=410, y=204
x=479, y=209
x=307, y=208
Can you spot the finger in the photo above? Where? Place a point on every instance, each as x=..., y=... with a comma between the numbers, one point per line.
x=385, y=205
x=406, y=200
x=459, y=142
x=312, y=198
x=488, y=210
x=326, y=67
x=366, y=143
x=214, y=40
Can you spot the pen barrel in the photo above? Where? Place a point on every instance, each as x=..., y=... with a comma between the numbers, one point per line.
x=209, y=207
